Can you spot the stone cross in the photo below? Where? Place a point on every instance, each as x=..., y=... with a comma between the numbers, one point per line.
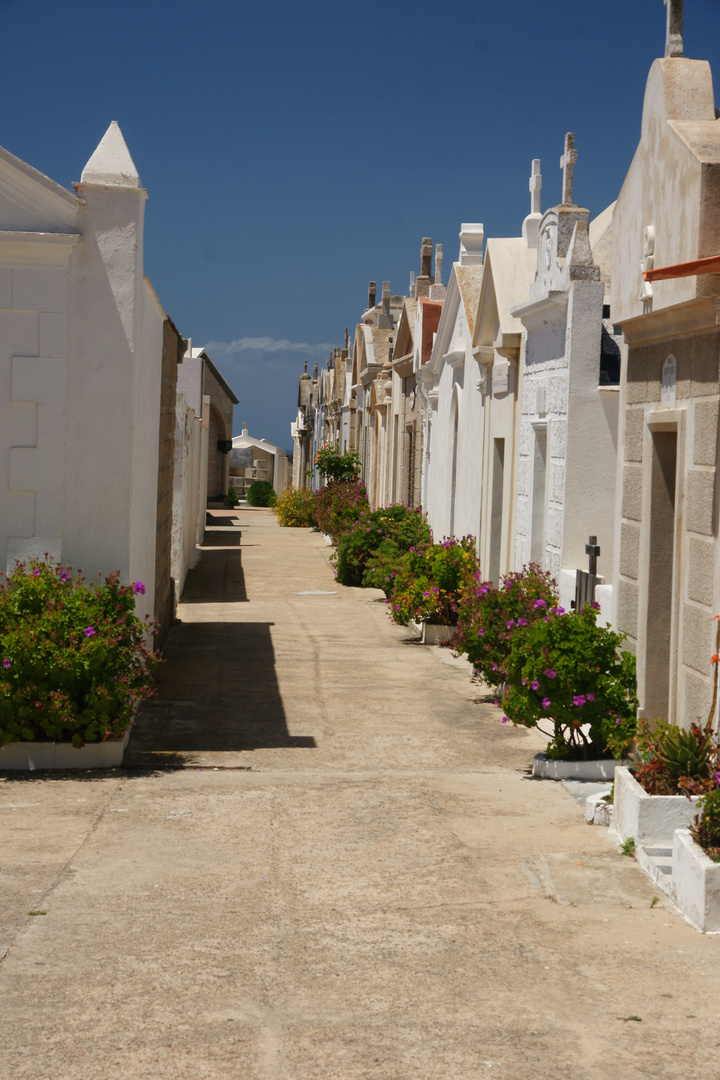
x=567, y=163
x=535, y=187
x=592, y=550
x=674, y=37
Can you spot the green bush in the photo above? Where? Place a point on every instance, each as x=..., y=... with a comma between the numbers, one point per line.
x=336, y=467
x=232, y=496
x=377, y=540
x=428, y=581
x=261, y=493
x=488, y=617
x=296, y=507
x=338, y=507
x=705, y=830
x=74, y=656
x=568, y=672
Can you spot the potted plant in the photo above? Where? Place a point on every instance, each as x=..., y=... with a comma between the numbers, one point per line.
x=568, y=677
x=696, y=866
x=426, y=586
x=74, y=662
x=658, y=792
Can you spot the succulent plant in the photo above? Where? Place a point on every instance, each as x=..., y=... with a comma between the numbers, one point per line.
x=686, y=753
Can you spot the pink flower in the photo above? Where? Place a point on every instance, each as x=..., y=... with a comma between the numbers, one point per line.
x=36, y=572
x=550, y=673
x=6, y=663
x=546, y=703
x=480, y=633
x=139, y=588
x=64, y=576
x=540, y=603
x=90, y=631
x=511, y=624
x=535, y=684
x=504, y=720
x=590, y=697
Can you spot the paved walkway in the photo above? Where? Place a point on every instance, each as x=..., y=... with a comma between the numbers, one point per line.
x=325, y=860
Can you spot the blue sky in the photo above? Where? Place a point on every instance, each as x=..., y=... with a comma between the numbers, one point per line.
x=293, y=152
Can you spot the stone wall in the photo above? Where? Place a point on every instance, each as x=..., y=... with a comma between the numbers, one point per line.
x=172, y=353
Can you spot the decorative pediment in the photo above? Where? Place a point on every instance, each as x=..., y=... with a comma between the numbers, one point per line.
x=31, y=202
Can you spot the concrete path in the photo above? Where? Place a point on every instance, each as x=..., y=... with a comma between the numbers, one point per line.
x=326, y=859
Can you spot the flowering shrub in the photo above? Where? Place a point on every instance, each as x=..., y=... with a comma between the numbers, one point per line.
x=338, y=506
x=566, y=670
x=296, y=507
x=74, y=658
x=488, y=617
x=427, y=583
x=336, y=467
x=377, y=540
x=261, y=493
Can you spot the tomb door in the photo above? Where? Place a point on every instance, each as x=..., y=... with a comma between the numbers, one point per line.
x=539, y=497
x=496, y=508
x=660, y=574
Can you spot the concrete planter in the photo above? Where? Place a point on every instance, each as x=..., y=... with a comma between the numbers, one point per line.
x=549, y=769
x=432, y=633
x=648, y=819
x=695, y=883
x=31, y=756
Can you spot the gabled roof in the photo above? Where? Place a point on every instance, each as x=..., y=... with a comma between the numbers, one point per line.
x=509, y=271
x=200, y=353
x=31, y=201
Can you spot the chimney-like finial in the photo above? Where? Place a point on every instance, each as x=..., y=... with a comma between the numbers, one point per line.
x=425, y=256
x=372, y=293
x=346, y=338
x=567, y=164
x=438, y=263
x=412, y=284
x=306, y=367
x=674, y=35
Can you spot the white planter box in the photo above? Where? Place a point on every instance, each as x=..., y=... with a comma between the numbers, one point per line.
x=695, y=883
x=648, y=819
x=432, y=633
x=49, y=755
x=550, y=769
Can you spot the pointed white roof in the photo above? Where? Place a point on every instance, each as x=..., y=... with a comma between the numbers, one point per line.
x=111, y=164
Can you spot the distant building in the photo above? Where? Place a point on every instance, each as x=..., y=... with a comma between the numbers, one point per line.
x=257, y=459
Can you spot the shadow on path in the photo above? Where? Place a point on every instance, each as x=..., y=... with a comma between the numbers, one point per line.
x=218, y=578
x=217, y=688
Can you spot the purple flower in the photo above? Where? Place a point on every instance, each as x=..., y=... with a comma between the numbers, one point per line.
x=579, y=700
x=522, y=622
x=590, y=697
x=480, y=633
x=6, y=663
x=139, y=588
x=36, y=572
x=483, y=590
x=64, y=576
x=504, y=720
x=90, y=631
x=550, y=673
x=511, y=624
x=540, y=603
x=559, y=610
x=524, y=682
x=508, y=585
x=496, y=703
x=535, y=684
x=546, y=703
x=617, y=719
x=717, y=779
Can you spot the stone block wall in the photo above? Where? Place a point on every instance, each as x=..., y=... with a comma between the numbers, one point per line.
x=695, y=415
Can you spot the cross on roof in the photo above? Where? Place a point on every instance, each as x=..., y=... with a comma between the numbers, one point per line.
x=535, y=187
x=567, y=162
x=674, y=37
